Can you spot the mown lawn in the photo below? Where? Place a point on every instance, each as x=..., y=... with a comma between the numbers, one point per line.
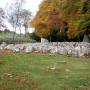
x=36, y=72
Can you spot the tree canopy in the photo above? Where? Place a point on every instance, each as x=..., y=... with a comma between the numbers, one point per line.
x=63, y=19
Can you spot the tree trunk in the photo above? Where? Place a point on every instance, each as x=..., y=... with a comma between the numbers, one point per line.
x=20, y=31
x=25, y=31
x=14, y=34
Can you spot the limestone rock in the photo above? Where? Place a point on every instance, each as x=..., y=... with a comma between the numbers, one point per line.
x=43, y=40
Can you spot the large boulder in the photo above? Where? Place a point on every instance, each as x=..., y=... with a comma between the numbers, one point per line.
x=86, y=38
x=10, y=47
x=3, y=45
x=43, y=40
x=28, y=49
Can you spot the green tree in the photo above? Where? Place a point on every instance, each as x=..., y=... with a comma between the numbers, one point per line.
x=84, y=25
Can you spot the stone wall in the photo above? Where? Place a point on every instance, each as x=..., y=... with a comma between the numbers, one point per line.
x=67, y=48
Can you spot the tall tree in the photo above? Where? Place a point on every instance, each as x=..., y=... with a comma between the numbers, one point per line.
x=71, y=17
x=85, y=22
x=2, y=15
x=25, y=19
x=14, y=15
x=47, y=21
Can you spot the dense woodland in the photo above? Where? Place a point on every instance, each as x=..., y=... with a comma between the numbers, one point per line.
x=63, y=20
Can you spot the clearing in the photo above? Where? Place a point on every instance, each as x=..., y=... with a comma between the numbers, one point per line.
x=43, y=72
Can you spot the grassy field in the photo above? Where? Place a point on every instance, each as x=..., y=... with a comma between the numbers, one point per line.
x=4, y=35
x=37, y=72
x=8, y=38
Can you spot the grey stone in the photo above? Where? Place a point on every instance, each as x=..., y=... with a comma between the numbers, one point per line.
x=28, y=49
x=70, y=48
x=3, y=45
x=43, y=40
x=86, y=38
x=10, y=46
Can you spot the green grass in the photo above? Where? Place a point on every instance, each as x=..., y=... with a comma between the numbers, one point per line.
x=33, y=72
x=4, y=35
x=8, y=38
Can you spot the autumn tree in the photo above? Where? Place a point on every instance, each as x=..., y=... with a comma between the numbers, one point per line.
x=65, y=19
x=47, y=21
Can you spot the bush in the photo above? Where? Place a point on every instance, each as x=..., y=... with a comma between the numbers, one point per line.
x=33, y=36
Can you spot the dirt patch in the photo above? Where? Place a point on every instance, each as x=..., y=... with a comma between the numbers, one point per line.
x=2, y=63
x=5, y=51
x=21, y=80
